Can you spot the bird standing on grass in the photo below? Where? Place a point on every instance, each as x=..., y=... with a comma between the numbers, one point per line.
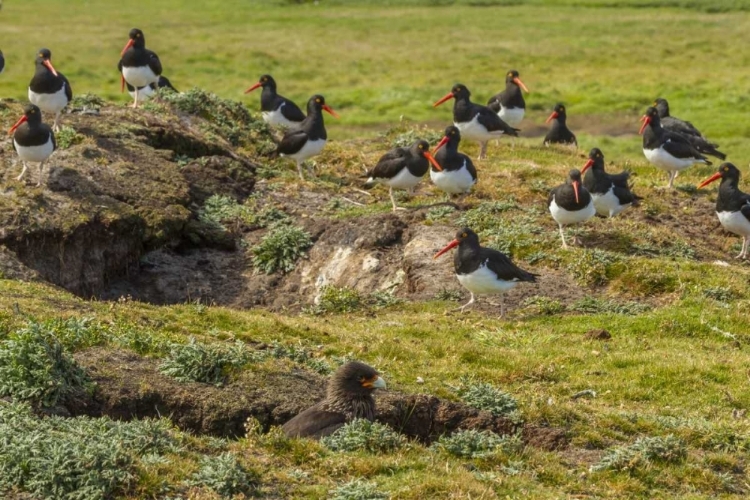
x=483, y=270
x=510, y=104
x=348, y=396
x=570, y=203
x=277, y=110
x=732, y=205
x=559, y=133
x=402, y=168
x=310, y=137
x=610, y=192
x=672, y=124
x=138, y=66
x=457, y=174
x=33, y=140
x=49, y=89
x=476, y=122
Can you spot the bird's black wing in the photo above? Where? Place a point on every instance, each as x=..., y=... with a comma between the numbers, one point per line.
x=621, y=179
x=470, y=167
x=165, y=83
x=292, y=142
x=495, y=102
x=390, y=164
x=623, y=194
x=745, y=209
x=291, y=111
x=705, y=147
x=314, y=423
x=68, y=90
x=492, y=122
x=501, y=265
x=154, y=63
x=680, y=126
x=683, y=150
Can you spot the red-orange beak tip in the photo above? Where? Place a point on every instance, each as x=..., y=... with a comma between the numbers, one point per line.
x=449, y=246
x=551, y=117
x=518, y=82
x=587, y=166
x=330, y=111
x=250, y=89
x=433, y=161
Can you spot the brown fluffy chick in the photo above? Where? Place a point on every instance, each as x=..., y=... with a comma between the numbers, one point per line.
x=348, y=396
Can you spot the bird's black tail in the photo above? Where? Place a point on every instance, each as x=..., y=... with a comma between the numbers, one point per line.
x=710, y=149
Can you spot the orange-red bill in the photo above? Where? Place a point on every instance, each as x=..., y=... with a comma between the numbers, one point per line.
x=17, y=124
x=442, y=143
x=708, y=181
x=130, y=43
x=330, y=110
x=646, y=121
x=453, y=244
x=575, y=190
x=447, y=96
x=50, y=67
x=432, y=160
x=518, y=82
x=587, y=166
x=253, y=88
x=552, y=117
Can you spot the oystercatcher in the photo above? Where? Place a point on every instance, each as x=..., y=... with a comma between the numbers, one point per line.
x=310, y=137
x=483, y=270
x=570, y=203
x=276, y=110
x=33, y=140
x=610, y=192
x=667, y=150
x=732, y=205
x=458, y=174
x=49, y=89
x=149, y=90
x=509, y=104
x=348, y=396
x=672, y=124
x=559, y=133
x=402, y=168
x=477, y=123
x=2, y=62
x=139, y=66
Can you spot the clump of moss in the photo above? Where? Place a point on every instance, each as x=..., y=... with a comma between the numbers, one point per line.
x=280, y=249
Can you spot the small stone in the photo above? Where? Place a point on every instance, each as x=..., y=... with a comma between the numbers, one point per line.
x=420, y=380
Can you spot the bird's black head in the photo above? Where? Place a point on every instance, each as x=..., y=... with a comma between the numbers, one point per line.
x=513, y=78
x=662, y=106
x=452, y=137
x=459, y=91
x=726, y=171
x=574, y=176
x=318, y=103
x=558, y=113
x=464, y=237
x=511, y=75
x=265, y=81
x=651, y=117
x=138, y=38
x=31, y=114
x=44, y=59
x=596, y=160
x=355, y=379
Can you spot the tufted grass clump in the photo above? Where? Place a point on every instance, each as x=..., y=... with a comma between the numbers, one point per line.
x=436, y=214
x=298, y=354
x=362, y=435
x=595, y=305
x=545, y=305
x=485, y=216
x=86, y=102
x=357, y=489
x=67, y=137
x=334, y=299
x=487, y=397
x=280, y=249
x=226, y=212
x=720, y=293
x=225, y=475
x=75, y=458
x=35, y=367
x=206, y=363
x=644, y=451
x=477, y=444
x=595, y=267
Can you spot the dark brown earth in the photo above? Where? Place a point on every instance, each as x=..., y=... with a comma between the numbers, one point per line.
x=129, y=386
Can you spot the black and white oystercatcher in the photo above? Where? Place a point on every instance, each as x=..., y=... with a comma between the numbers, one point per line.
x=610, y=192
x=698, y=140
x=559, y=133
x=476, y=122
x=483, y=270
x=276, y=109
x=149, y=90
x=458, y=173
x=667, y=150
x=309, y=138
x=2, y=62
x=49, y=89
x=402, y=168
x=732, y=205
x=138, y=66
x=570, y=203
x=348, y=396
x=33, y=140
x=510, y=104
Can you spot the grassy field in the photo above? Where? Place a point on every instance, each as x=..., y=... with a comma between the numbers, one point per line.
x=676, y=369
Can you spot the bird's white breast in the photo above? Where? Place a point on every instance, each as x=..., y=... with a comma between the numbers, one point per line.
x=484, y=281
x=403, y=180
x=511, y=116
x=665, y=161
x=453, y=181
x=475, y=131
x=277, y=119
x=34, y=153
x=139, y=76
x=565, y=217
x=50, y=103
x=310, y=149
x=608, y=204
x=735, y=222
x=144, y=93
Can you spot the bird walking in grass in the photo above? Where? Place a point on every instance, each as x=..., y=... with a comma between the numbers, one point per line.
x=348, y=396
x=732, y=205
x=570, y=203
x=33, y=140
x=685, y=128
x=476, y=122
x=667, y=150
x=276, y=109
x=509, y=104
x=483, y=271
x=559, y=133
x=610, y=192
x=402, y=168
x=138, y=66
x=455, y=173
x=309, y=138
x=48, y=89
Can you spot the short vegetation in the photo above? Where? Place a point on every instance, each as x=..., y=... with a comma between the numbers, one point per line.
x=363, y=435
x=225, y=475
x=477, y=444
x=207, y=363
x=644, y=452
x=280, y=249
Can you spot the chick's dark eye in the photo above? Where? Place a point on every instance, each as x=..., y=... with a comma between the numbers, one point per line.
x=464, y=235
